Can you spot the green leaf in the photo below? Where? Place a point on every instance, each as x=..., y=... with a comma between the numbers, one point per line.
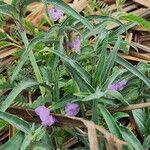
x=78, y=72
x=9, y=10
x=120, y=30
x=107, y=18
x=147, y=125
x=66, y=8
x=13, y=94
x=30, y=137
x=15, y=121
x=98, y=29
x=112, y=125
x=56, y=94
x=3, y=35
x=133, y=69
x=101, y=65
x=140, y=119
x=97, y=95
x=41, y=146
x=133, y=18
x=33, y=61
x=26, y=2
x=111, y=60
x=120, y=131
x=130, y=138
x=29, y=48
x=118, y=96
x=119, y=115
x=83, y=84
x=3, y=124
x=24, y=57
x=14, y=142
x=146, y=143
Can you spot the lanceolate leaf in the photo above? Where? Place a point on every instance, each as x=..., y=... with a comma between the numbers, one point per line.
x=120, y=131
x=81, y=76
x=97, y=95
x=121, y=30
x=133, y=69
x=29, y=48
x=13, y=94
x=26, y=2
x=140, y=119
x=107, y=18
x=133, y=18
x=110, y=61
x=14, y=143
x=15, y=121
x=131, y=138
x=112, y=125
x=101, y=65
x=74, y=65
x=9, y=10
x=29, y=137
x=146, y=143
x=80, y=80
x=98, y=29
x=118, y=96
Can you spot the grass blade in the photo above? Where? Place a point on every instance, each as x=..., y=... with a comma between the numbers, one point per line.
x=112, y=125
x=110, y=61
x=15, y=121
x=132, y=69
x=13, y=143
x=137, y=19
x=130, y=138
x=13, y=94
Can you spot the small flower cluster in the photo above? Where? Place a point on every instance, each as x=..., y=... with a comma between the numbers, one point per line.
x=75, y=44
x=45, y=116
x=118, y=86
x=55, y=13
x=71, y=109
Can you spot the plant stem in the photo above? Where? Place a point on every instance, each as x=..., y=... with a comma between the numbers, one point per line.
x=124, y=109
x=132, y=107
x=33, y=62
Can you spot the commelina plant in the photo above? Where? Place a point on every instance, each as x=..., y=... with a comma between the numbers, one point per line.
x=76, y=81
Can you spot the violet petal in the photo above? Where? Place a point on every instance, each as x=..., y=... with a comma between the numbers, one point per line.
x=72, y=109
x=55, y=13
x=118, y=86
x=48, y=121
x=75, y=44
x=42, y=110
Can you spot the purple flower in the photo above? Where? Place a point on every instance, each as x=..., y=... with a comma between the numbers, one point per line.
x=75, y=44
x=45, y=116
x=48, y=121
x=118, y=86
x=72, y=109
x=55, y=13
x=42, y=110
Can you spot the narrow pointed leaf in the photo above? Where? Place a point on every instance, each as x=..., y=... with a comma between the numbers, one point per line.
x=133, y=69
x=14, y=93
x=15, y=121
x=14, y=143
